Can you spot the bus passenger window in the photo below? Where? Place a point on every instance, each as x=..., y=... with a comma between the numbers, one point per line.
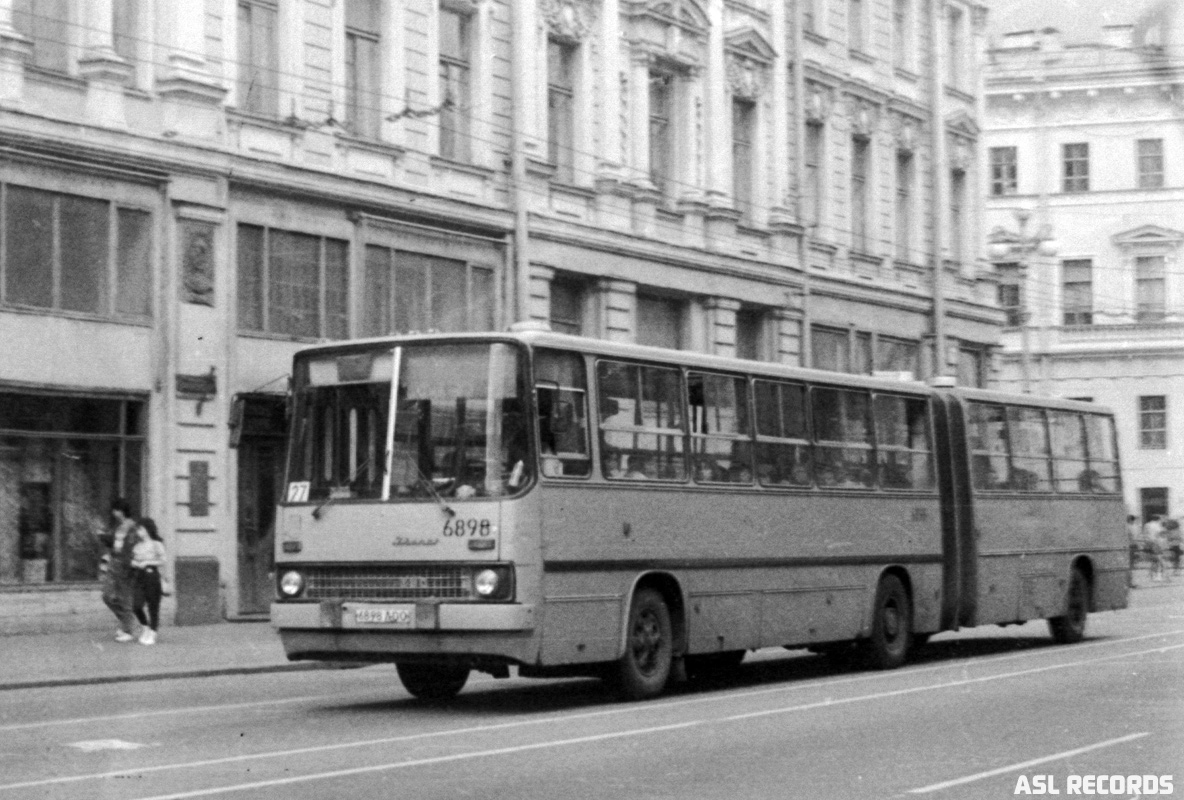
x=783, y=439
x=561, y=390
x=842, y=436
x=642, y=432
x=719, y=428
x=1071, y=471
x=1028, y=438
x=1103, y=458
x=904, y=456
x=987, y=433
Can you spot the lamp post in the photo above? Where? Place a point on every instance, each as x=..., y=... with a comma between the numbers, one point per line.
x=1021, y=246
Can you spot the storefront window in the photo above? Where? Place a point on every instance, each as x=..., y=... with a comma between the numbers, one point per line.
x=62, y=461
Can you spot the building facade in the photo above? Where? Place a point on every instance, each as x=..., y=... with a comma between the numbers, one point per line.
x=191, y=191
x=1088, y=140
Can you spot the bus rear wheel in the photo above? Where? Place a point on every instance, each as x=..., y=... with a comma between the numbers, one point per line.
x=1070, y=627
x=643, y=670
x=892, y=625
x=432, y=681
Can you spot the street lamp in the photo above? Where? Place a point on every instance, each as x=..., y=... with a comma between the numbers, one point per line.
x=1021, y=246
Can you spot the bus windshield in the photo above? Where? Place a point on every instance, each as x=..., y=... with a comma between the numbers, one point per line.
x=455, y=427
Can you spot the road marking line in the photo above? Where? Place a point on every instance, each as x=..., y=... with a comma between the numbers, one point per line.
x=632, y=709
x=613, y=735
x=937, y=787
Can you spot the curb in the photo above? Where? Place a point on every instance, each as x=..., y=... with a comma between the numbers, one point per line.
x=88, y=680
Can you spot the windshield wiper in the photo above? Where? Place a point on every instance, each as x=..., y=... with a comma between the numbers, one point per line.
x=426, y=482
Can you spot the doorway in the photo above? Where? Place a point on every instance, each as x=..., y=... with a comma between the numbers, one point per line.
x=260, y=472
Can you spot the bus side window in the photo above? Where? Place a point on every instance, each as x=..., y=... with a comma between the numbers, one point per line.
x=987, y=431
x=1028, y=438
x=783, y=438
x=642, y=431
x=1071, y=471
x=843, y=437
x=719, y=428
x=561, y=389
x=904, y=457
x=1103, y=457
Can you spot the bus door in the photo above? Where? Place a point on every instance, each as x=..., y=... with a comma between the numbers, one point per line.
x=959, y=548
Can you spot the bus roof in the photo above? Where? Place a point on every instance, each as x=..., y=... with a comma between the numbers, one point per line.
x=544, y=338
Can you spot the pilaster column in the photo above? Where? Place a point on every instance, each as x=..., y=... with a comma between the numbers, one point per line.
x=611, y=155
x=540, y=292
x=191, y=96
x=618, y=310
x=721, y=325
x=717, y=114
x=104, y=71
x=15, y=50
x=781, y=205
x=639, y=119
x=788, y=341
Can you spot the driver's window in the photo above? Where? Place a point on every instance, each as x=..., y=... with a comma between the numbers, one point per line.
x=561, y=389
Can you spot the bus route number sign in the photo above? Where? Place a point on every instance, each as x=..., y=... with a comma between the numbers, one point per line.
x=468, y=528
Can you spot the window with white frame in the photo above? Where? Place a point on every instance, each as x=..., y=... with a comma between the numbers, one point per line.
x=363, y=67
x=1149, y=288
x=407, y=291
x=47, y=23
x=561, y=82
x=743, y=136
x=65, y=252
x=1150, y=157
x=812, y=174
x=258, y=57
x=860, y=172
x=1004, y=171
x=904, y=205
x=1075, y=167
x=1077, y=291
x=291, y=283
x=455, y=90
x=1153, y=422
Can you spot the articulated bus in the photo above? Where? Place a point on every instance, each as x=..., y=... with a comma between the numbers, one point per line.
x=567, y=506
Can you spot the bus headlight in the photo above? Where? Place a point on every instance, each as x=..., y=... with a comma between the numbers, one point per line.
x=486, y=583
x=291, y=584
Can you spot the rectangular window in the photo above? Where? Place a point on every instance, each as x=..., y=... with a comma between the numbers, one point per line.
x=986, y=433
x=642, y=431
x=1153, y=422
x=721, y=444
x=561, y=83
x=1149, y=289
x=562, y=391
x=972, y=367
x=660, y=321
x=957, y=216
x=408, y=292
x=1075, y=161
x=897, y=355
x=1077, y=293
x=1153, y=500
x=567, y=306
x=661, y=133
x=954, y=47
x=363, y=71
x=860, y=169
x=292, y=283
x=812, y=177
x=1010, y=294
x=750, y=338
x=901, y=40
x=59, y=255
x=903, y=451
x=855, y=25
x=843, y=437
x=1150, y=163
x=830, y=349
x=258, y=57
x=1028, y=438
x=743, y=136
x=47, y=23
x=455, y=90
x=1070, y=467
x=904, y=206
x=1004, y=170
x=62, y=461
x=1100, y=444
x=782, y=434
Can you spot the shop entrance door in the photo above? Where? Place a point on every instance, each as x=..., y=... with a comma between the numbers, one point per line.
x=258, y=432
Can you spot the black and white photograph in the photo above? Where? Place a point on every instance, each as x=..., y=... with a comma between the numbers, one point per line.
x=584, y=399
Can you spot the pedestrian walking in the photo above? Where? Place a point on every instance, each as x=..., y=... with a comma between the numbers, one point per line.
x=1172, y=540
x=118, y=589
x=1154, y=544
x=148, y=557
x=1134, y=532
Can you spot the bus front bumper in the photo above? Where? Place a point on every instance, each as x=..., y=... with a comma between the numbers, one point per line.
x=356, y=616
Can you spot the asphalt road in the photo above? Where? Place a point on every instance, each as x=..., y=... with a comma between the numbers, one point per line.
x=977, y=714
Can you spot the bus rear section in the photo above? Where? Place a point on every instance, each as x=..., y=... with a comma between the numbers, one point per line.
x=404, y=535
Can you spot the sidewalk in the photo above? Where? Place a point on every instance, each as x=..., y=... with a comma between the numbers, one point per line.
x=87, y=657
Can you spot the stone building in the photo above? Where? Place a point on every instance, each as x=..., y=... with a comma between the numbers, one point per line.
x=191, y=191
x=1087, y=140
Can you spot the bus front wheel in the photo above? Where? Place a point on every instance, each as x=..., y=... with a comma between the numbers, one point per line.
x=649, y=647
x=892, y=623
x=1070, y=627
x=432, y=681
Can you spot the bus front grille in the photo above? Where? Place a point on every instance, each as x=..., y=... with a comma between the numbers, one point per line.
x=388, y=583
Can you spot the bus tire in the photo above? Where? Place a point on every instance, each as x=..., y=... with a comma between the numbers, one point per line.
x=892, y=625
x=433, y=682
x=1070, y=627
x=643, y=670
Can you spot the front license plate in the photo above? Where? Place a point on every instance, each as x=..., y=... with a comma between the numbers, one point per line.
x=387, y=616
